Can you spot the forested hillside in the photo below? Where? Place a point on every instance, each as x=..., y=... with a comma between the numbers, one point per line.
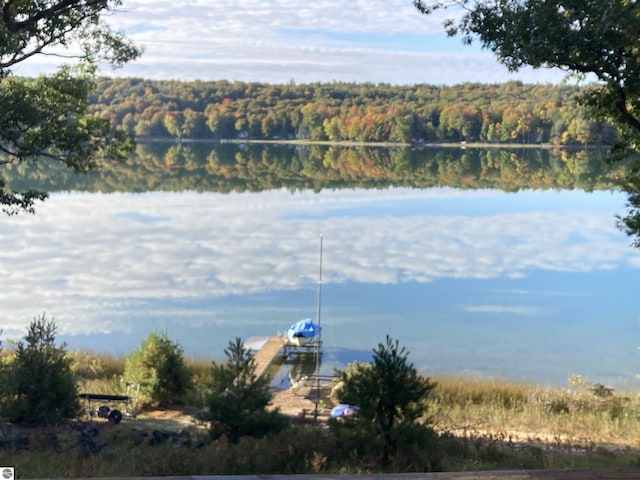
x=511, y=112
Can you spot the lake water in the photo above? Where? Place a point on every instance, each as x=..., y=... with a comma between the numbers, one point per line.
x=529, y=286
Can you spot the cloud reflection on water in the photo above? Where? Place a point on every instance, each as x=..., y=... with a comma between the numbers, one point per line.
x=84, y=253
x=95, y=262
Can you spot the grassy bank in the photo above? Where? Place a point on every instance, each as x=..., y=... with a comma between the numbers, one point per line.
x=481, y=425
x=590, y=414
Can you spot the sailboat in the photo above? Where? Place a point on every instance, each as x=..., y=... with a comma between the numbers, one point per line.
x=306, y=331
x=303, y=332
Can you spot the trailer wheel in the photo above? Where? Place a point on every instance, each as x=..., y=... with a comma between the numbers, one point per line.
x=115, y=416
x=103, y=411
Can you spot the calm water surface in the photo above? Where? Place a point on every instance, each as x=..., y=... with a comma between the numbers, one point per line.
x=529, y=286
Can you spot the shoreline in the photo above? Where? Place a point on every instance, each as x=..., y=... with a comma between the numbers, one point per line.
x=348, y=143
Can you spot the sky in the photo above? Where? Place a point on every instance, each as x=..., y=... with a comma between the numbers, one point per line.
x=279, y=41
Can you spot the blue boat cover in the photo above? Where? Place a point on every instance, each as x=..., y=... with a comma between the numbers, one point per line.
x=344, y=410
x=303, y=328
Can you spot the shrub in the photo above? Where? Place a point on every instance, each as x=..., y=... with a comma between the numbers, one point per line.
x=39, y=386
x=238, y=399
x=159, y=368
x=390, y=396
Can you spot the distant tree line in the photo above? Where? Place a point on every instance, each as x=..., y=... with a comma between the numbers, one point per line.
x=510, y=112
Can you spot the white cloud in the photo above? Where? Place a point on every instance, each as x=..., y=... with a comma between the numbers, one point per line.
x=93, y=256
x=277, y=41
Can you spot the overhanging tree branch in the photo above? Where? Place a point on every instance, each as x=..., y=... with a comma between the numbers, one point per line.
x=590, y=37
x=47, y=117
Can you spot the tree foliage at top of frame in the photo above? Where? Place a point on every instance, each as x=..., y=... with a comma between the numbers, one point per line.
x=579, y=36
x=593, y=39
x=47, y=117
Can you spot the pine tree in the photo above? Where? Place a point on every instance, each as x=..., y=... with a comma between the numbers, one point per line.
x=39, y=386
x=238, y=399
x=159, y=368
x=389, y=395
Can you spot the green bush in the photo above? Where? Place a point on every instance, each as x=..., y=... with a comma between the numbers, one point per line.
x=159, y=368
x=38, y=384
x=390, y=396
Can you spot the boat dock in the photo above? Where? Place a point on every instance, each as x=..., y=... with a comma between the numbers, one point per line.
x=314, y=347
x=267, y=349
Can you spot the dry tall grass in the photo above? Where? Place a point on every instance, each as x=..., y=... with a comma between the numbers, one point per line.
x=484, y=424
x=583, y=417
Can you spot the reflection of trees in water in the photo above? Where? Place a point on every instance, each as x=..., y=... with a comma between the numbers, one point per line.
x=252, y=167
x=630, y=223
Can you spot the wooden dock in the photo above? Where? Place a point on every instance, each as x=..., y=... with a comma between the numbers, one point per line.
x=267, y=353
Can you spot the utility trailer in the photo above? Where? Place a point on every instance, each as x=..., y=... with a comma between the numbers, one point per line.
x=129, y=405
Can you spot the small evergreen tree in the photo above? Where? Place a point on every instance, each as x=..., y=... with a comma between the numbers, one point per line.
x=39, y=386
x=159, y=368
x=390, y=396
x=238, y=399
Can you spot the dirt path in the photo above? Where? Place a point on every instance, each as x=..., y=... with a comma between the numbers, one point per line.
x=290, y=403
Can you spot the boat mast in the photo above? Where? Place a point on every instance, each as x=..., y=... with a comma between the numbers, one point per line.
x=319, y=337
x=319, y=285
